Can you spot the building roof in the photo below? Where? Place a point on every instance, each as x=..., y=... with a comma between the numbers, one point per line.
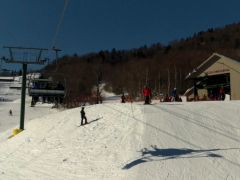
x=207, y=63
x=4, y=78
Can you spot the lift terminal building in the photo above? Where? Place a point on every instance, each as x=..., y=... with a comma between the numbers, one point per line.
x=216, y=72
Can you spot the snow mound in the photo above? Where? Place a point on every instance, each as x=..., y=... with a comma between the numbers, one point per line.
x=57, y=142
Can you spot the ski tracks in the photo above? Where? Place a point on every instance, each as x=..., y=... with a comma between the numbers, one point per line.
x=215, y=132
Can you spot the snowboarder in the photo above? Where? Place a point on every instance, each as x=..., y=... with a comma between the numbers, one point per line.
x=83, y=116
x=147, y=94
x=10, y=112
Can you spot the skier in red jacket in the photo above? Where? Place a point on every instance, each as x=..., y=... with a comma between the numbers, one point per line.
x=221, y=93
x=147, y=94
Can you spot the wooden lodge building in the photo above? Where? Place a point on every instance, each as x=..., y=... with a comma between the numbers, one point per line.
x=216, y=72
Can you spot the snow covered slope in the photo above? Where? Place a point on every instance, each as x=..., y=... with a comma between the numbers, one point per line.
x=13, y=121
x=7, y=94
x=199, y=140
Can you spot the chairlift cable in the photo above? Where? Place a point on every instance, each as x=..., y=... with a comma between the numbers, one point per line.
x=53, y=43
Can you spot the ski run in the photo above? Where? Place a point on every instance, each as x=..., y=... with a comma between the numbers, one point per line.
x=187, y=140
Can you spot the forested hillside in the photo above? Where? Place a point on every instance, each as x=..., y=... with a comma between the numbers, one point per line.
x=161, y=67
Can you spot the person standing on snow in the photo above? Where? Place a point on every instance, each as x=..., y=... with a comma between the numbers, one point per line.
x=83, y=116
x=174, y=94
x=147, y=94
x=123, y=98
x=221, y=93
x=10, y=112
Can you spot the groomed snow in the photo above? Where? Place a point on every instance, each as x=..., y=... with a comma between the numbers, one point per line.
x=7, y=122
x=198, y=140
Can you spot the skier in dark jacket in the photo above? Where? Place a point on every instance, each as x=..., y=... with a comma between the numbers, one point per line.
x=10, y=112
x=83, y=116
x=123, y=98
x=174, y=94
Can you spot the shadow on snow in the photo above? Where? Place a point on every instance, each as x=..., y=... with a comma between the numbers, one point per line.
x=193, y=153
x=95, y=120
x=91, y=121
x=153, y=154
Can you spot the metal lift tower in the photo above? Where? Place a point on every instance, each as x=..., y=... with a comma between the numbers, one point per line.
x=24, y=56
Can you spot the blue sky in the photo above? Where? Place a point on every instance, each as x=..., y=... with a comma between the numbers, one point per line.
x=94, y=25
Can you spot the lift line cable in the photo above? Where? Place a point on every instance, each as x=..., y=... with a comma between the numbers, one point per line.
x=53, y=42
x=66, y=2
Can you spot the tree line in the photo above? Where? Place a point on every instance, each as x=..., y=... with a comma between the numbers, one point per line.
x=162, y=67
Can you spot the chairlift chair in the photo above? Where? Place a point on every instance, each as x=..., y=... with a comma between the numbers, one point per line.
x=47, y=89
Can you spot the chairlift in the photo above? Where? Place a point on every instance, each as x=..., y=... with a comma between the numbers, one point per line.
x=46, y=89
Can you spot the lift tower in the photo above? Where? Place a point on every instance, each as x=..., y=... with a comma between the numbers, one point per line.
x=24, y=56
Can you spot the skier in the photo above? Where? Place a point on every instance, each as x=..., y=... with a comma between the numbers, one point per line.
x=147, y=94
x=10, y=112
x=123, y=98
x=174, y=94
x=221, y=94
x=83, y=116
